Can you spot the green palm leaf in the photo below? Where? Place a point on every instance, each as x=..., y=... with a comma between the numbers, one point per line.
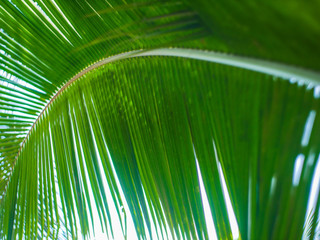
x=117, y=111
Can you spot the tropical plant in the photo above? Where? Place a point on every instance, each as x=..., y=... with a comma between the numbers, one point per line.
x=144, y=106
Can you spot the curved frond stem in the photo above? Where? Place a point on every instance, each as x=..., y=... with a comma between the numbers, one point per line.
x=276, y=69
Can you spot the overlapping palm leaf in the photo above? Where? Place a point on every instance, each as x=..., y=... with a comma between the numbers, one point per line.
x=148, y=121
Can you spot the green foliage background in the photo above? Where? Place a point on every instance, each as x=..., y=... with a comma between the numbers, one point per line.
x=151, y=117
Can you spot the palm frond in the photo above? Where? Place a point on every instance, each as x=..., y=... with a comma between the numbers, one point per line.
x=111, y=104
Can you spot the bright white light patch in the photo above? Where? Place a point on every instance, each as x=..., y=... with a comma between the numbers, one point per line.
x=311, y=159
x=273, y=185
x=212, y=234
x=313, y=197
x=231, y=215
x=308, y=129
x=316, y=92
x=297, y=169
